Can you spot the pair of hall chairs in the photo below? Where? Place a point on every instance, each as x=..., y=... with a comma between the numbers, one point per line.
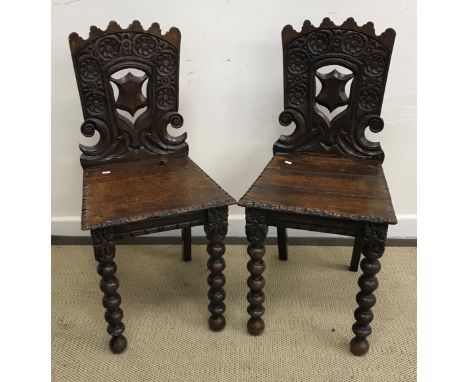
x=326, y=176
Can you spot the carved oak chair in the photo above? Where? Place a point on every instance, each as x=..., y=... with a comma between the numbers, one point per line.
x=326, y=176
x=138, y=179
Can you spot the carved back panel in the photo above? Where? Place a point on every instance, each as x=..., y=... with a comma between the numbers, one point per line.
x=310, y=93
x=108, y=97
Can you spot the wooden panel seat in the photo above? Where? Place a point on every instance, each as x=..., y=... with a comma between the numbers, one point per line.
x=325, y=186
x=133, y=191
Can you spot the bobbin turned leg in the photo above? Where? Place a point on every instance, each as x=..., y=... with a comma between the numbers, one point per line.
x=104, y=252
x=357, y=250
x=374, y=246
x=256, y=230
x=216, y=224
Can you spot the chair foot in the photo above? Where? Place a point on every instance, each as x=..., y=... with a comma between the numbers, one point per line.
x=357, y=250
x=256, y=230
x=187, y=243
x=118, y=344
x=216, y=223
x=282, y=243
x=359, y=346
x=373, y=249
x=104, y=252
x=255, y=326
x=216, y=322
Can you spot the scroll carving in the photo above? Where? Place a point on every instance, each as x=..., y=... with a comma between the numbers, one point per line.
x=358, y=49
x=104, y=53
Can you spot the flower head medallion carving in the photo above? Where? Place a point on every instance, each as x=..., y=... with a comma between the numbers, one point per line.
x=297, y=94
x=166, y=98
x=320, y=42
x=369, y=99
x=109, y=47
x=145, y=46
x=353, y=43
x=165, y=63
x=89, y=68
x=297, y=61
x=95, y=104
x=375, y=63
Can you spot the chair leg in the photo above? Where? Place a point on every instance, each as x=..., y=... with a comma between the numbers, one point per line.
x=256, y=230
x=282, y=243
x=216, y=224
x=104, y=252
x=374, y=246
x=187, y=243
x=357, y=250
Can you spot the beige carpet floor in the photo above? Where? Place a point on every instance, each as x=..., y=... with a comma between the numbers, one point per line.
x=309, y=313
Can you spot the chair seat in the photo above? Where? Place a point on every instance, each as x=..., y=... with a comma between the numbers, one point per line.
x=324, y=186
x=133, y=191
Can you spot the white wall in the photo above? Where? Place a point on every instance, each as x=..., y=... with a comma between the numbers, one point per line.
x=231, y=90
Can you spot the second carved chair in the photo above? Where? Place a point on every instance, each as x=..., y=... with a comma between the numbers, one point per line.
x=326, y=176
x=138, y=179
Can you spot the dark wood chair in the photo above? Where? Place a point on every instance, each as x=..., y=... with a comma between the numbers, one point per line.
x=138, y=179
x=326, y=176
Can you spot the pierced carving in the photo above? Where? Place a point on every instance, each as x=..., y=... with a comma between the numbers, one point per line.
x=130, y=97
x=354, y=47
x=376, y=125
x=88, y=129
x=96, y=59
x=216, y=224
x=333, y=92
x=256, y=229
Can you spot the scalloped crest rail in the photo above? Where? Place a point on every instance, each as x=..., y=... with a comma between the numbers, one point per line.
x=138, y=179
x=326, y=176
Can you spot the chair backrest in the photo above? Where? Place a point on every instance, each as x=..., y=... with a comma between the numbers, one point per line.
x=334, y=84
x=128, y=80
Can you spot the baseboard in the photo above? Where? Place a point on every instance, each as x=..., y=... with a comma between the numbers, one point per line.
x=198, y=240
x=69, y=227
